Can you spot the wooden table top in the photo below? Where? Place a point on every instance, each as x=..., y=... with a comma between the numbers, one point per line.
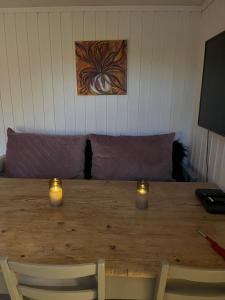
x=99, y=220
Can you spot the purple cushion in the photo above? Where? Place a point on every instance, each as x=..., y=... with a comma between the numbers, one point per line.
x=132, y=157
x=44, y=156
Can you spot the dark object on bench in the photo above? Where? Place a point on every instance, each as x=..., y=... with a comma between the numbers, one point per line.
x=88, y=160
x=178, y=155
x=212, y=199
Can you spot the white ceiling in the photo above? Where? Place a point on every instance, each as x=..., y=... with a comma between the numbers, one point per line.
x=38, y=3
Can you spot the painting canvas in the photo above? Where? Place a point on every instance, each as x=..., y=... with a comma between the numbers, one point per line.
x=101, y=67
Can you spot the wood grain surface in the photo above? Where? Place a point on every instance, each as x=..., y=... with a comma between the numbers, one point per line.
x=99, y=220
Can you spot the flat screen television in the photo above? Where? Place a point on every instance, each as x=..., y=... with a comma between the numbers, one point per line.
x=212, y=103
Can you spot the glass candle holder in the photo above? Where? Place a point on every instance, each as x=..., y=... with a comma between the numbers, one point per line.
x=55, y=192
x=142, y=194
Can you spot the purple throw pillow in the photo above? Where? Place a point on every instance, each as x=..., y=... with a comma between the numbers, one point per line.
x=132, y=157
x=44, y=156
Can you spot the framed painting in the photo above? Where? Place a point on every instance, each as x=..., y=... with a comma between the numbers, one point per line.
x=101, y=67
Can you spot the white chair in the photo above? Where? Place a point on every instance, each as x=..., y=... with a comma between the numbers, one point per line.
x=14, y=272
x=4, y=295
x=187, y=283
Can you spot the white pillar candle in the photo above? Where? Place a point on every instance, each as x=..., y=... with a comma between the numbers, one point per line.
x=55, y=192
x=142, y=194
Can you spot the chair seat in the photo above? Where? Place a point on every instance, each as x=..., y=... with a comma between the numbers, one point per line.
x=184, y=287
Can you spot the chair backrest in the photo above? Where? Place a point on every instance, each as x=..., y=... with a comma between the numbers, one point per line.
x=187, y=274
x=14, y=271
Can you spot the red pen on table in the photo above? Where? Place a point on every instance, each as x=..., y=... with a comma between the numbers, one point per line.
x=215, y=246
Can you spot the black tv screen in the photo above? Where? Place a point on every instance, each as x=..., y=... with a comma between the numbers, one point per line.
x=212, y=104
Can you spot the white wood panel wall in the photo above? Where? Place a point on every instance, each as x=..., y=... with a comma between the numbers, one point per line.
x=212, y=23
x=38, y=79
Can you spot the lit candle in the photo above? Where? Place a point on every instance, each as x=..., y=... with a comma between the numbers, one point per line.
x=142, y=194
x=55, y=192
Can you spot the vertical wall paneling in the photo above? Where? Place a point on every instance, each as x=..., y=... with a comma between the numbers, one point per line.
x=219, y=170
x=212, y=22
x=111, y=34
x=2, y=129
x=157, y=72
x=168, y=43
x=220, y=181
x=7, y=119
x=24, y=67
x=38, y=90
x=14, y=72
x=122, y=101
x=78, y=35
x=134, y=65
x=195, y=129
x=35, y=69
x=2, y=126
x=68, y=70
x=202, y=153
x=179, y=115
x=212, y=153
x=100, y=101
x=46, y=71
x=146, y=72
x=89, y=33
x=57, y=71
x=191, y=76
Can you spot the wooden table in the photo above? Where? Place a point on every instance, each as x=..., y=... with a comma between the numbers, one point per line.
x=99, y=220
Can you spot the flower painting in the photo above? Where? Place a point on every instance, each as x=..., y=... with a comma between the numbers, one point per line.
x=101, y=67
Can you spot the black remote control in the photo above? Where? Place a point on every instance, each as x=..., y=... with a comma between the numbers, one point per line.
x=212, y=199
